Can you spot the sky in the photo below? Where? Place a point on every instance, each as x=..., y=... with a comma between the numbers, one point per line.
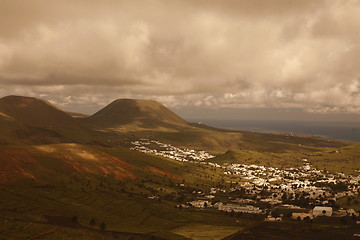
x=206, y=58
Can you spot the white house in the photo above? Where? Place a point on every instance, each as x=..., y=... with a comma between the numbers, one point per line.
x=322, y=211
x=199, y=203
x=238, y=208
x=273, y=219
x=352, y=212
x=210, y=196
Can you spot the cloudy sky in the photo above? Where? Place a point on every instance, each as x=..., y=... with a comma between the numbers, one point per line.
x=270, y=57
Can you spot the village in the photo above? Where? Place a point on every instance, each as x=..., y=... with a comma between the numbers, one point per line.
x=166, y=150
x=301, y=193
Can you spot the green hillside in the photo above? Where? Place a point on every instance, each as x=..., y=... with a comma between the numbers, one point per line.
x=345, y=159
x=94, y=183
x=218, y=141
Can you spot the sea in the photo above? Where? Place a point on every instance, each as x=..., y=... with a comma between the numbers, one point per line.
x=347, y=131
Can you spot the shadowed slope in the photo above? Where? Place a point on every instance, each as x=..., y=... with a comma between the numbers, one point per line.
x=32, y=120
x=139, y=113
x=35, y=112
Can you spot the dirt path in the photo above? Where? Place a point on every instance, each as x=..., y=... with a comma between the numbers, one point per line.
x=3, y=228
x=28, y=225
x=82, y=232
x=43, y=234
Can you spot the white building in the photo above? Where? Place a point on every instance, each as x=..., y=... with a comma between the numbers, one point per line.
x=352, y=212
x=322, y=211
x=238, y=208
x=199, y=203
x=273, y=219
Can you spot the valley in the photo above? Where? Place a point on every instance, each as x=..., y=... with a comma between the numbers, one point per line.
x=136, y=170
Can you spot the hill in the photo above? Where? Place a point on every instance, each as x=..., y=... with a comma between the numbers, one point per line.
x=35, y=112
x=149, y=119
x=31, y=120
x=130, y=114
x=111, y=185
x=48, y=163
x=34, y=121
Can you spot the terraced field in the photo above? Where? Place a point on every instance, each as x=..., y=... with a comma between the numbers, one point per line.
x=120, y=213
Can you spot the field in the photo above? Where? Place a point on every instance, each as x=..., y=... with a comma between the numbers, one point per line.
x=67, y=181
x=121, y=214
x=204, y=232
x=341, y=159
x=316, y=230
x=345, y=159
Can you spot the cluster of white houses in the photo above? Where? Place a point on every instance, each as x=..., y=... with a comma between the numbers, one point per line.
x=167, y=150
x=229, y=207
x=282, y=186
x=285, y=184
x=250, y=209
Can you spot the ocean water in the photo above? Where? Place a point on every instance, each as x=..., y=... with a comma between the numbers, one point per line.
x=348, y=131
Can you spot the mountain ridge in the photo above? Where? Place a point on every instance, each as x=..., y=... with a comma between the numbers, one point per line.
x=30, y=120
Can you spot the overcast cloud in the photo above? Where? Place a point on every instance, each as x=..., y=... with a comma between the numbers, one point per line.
x=205, y=53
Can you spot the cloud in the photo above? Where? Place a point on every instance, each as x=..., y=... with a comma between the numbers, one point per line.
x=240, y=54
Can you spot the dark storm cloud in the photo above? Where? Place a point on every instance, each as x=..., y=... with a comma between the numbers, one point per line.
x=239, y=54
